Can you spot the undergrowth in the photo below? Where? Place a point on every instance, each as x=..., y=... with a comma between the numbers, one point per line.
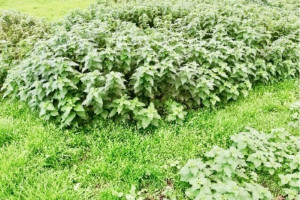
x=144, y=61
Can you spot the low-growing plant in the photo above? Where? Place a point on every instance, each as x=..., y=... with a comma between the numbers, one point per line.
x=221, y=176
x=147, y=116
x=232, y=173
x=295, y=108
x=195, y=53
x=175, y=112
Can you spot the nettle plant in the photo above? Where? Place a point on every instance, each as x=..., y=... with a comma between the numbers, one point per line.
x=295, y=108
x=18, y=34
x=233, y=173
x=142, y=60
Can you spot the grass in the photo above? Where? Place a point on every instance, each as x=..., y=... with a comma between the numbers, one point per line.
x=49, y=9
x=39, y=161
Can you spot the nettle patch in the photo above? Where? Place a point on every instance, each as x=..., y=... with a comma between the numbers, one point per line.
x=143, y=61
x=18, y=34
x=233, y=173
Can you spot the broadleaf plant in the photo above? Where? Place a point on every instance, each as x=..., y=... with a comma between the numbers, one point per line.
x=98, y=63
x=233, y=173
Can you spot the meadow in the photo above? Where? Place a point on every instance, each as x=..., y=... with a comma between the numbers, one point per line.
x=83, y=156
x=48, y=9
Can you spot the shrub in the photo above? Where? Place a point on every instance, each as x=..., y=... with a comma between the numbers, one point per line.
x=128, y=60
x=18, y=33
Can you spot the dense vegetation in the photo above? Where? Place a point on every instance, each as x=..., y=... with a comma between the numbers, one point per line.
x=18, y=34
x=144, y=60
x=232, y=173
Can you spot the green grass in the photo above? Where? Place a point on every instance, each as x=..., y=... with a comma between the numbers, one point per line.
x=49, y=9
x=39, y=161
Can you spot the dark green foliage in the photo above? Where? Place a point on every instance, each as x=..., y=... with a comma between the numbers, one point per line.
x=128, y=60
x=18, y=33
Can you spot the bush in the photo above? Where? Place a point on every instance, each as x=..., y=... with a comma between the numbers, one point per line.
x=18, y=33
x=130, y=60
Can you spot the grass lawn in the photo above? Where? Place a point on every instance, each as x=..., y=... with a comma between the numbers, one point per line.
x=40, y=161
x=49, y=9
